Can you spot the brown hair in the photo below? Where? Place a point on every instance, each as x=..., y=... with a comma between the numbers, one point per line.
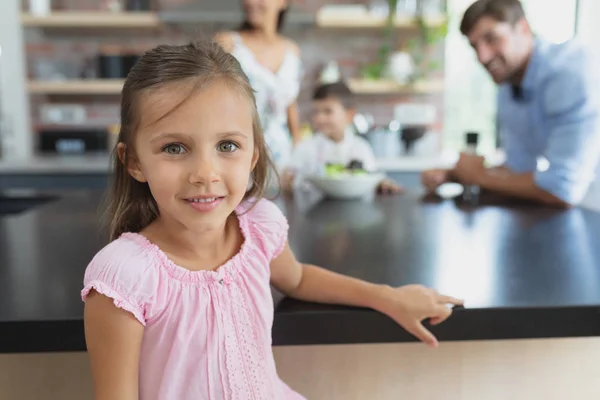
x=336, y=90
x=131, y=206
x=247, y=26
x=510, y=11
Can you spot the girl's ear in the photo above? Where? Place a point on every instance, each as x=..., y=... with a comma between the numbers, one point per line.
x=131, y=164
x=255, y=158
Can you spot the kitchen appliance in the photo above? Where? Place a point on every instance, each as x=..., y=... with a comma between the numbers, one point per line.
x=115, y=62
x=138, y=5
x=410, y=135
x=415, y=119
x=385, y=141
x=73, y=140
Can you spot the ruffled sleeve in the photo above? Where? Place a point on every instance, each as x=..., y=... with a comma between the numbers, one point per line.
x=125, y=273
x=270, y=228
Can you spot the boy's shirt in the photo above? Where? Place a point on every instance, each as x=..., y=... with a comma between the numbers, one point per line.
x=310, y=156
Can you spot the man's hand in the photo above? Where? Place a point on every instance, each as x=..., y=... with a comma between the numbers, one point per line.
x=433, y=178
x=469, y=169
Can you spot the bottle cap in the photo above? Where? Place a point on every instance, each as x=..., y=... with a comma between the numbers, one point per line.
x=472, y=138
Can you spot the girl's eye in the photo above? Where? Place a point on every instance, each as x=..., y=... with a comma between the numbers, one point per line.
x=227, y=147
x=174, y=149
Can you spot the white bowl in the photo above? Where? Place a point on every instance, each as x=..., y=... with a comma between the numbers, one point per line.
x=346, y=186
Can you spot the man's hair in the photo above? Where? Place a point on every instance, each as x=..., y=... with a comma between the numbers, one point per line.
x=510, y=11
x=338, y=91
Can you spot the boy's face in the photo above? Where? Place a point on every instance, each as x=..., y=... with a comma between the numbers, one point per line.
x=330, y=117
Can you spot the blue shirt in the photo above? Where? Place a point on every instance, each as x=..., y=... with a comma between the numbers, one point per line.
x=554, y=115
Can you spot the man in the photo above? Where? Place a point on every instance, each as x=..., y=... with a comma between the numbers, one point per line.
x=548, y=106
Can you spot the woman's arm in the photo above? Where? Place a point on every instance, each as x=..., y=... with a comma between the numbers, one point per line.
x=408, y=305
x=293, y=116
x=113, y=338
x=293, y=120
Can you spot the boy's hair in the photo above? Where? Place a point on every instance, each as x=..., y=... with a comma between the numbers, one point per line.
x=510, y=11
x=131, y=206
x=338, y=91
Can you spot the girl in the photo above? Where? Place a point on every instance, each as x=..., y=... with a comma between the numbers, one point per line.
x=178, y=305
x=272, y=63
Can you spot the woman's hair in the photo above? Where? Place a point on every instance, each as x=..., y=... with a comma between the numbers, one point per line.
x=131, y=206
x=510, y=11
x=247, y=26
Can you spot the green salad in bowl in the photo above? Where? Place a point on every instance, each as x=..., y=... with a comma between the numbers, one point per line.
x=348, y=181
x=354, y=168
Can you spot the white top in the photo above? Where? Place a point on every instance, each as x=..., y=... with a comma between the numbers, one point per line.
x=274, y=92
x=310, y=156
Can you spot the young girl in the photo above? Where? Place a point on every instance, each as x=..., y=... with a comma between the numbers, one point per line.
x=178, y=305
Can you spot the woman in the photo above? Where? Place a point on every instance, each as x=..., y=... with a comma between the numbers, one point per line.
x=272, y=63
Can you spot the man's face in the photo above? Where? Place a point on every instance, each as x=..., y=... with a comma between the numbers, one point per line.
x=501, y=48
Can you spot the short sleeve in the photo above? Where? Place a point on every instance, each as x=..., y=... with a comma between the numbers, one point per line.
x=122, y=272
x=270, y=228
x=571, y=109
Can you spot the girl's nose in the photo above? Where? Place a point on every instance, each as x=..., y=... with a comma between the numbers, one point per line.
x=204, y=172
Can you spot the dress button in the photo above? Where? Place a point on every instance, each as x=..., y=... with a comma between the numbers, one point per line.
x=221, y=281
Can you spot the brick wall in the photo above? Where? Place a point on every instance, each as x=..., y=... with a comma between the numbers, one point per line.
x=71, y=51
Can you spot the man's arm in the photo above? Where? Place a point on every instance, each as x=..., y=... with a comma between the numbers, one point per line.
x=470, y=170
x=504, y=181
x=572, y=114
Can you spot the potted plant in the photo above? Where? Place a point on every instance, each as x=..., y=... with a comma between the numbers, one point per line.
x=419, y=47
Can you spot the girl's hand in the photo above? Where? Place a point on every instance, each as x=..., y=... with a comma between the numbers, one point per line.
x=409, y=305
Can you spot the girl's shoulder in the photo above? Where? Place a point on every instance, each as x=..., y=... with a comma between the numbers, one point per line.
x=125, y=270
x=267, y=223
x=128, y=252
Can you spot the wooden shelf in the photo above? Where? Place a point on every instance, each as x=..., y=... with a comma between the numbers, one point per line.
x=92, y=20
x=76, y=87
x=364, y=86
x=329, y=20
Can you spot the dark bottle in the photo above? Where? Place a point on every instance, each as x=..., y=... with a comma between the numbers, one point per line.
x=471, y=192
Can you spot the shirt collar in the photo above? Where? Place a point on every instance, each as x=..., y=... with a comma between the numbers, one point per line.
x=528, y=83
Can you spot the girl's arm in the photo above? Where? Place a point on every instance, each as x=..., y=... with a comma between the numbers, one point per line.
x=407, y=305
x=113, y=337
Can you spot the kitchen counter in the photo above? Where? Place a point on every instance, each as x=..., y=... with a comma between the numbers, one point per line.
x=99, y=163
x=55, y=164
x=524, y=271
x=92, y=171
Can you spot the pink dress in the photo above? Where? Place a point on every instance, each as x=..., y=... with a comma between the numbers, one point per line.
x=207, y=333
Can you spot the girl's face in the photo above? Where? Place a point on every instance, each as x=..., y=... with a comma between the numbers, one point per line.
x=259, y=13
x=196, y=156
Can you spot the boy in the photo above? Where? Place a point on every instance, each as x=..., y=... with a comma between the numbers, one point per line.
x=335, y=141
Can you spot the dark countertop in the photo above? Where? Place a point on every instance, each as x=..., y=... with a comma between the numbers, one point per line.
x=525, y=272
